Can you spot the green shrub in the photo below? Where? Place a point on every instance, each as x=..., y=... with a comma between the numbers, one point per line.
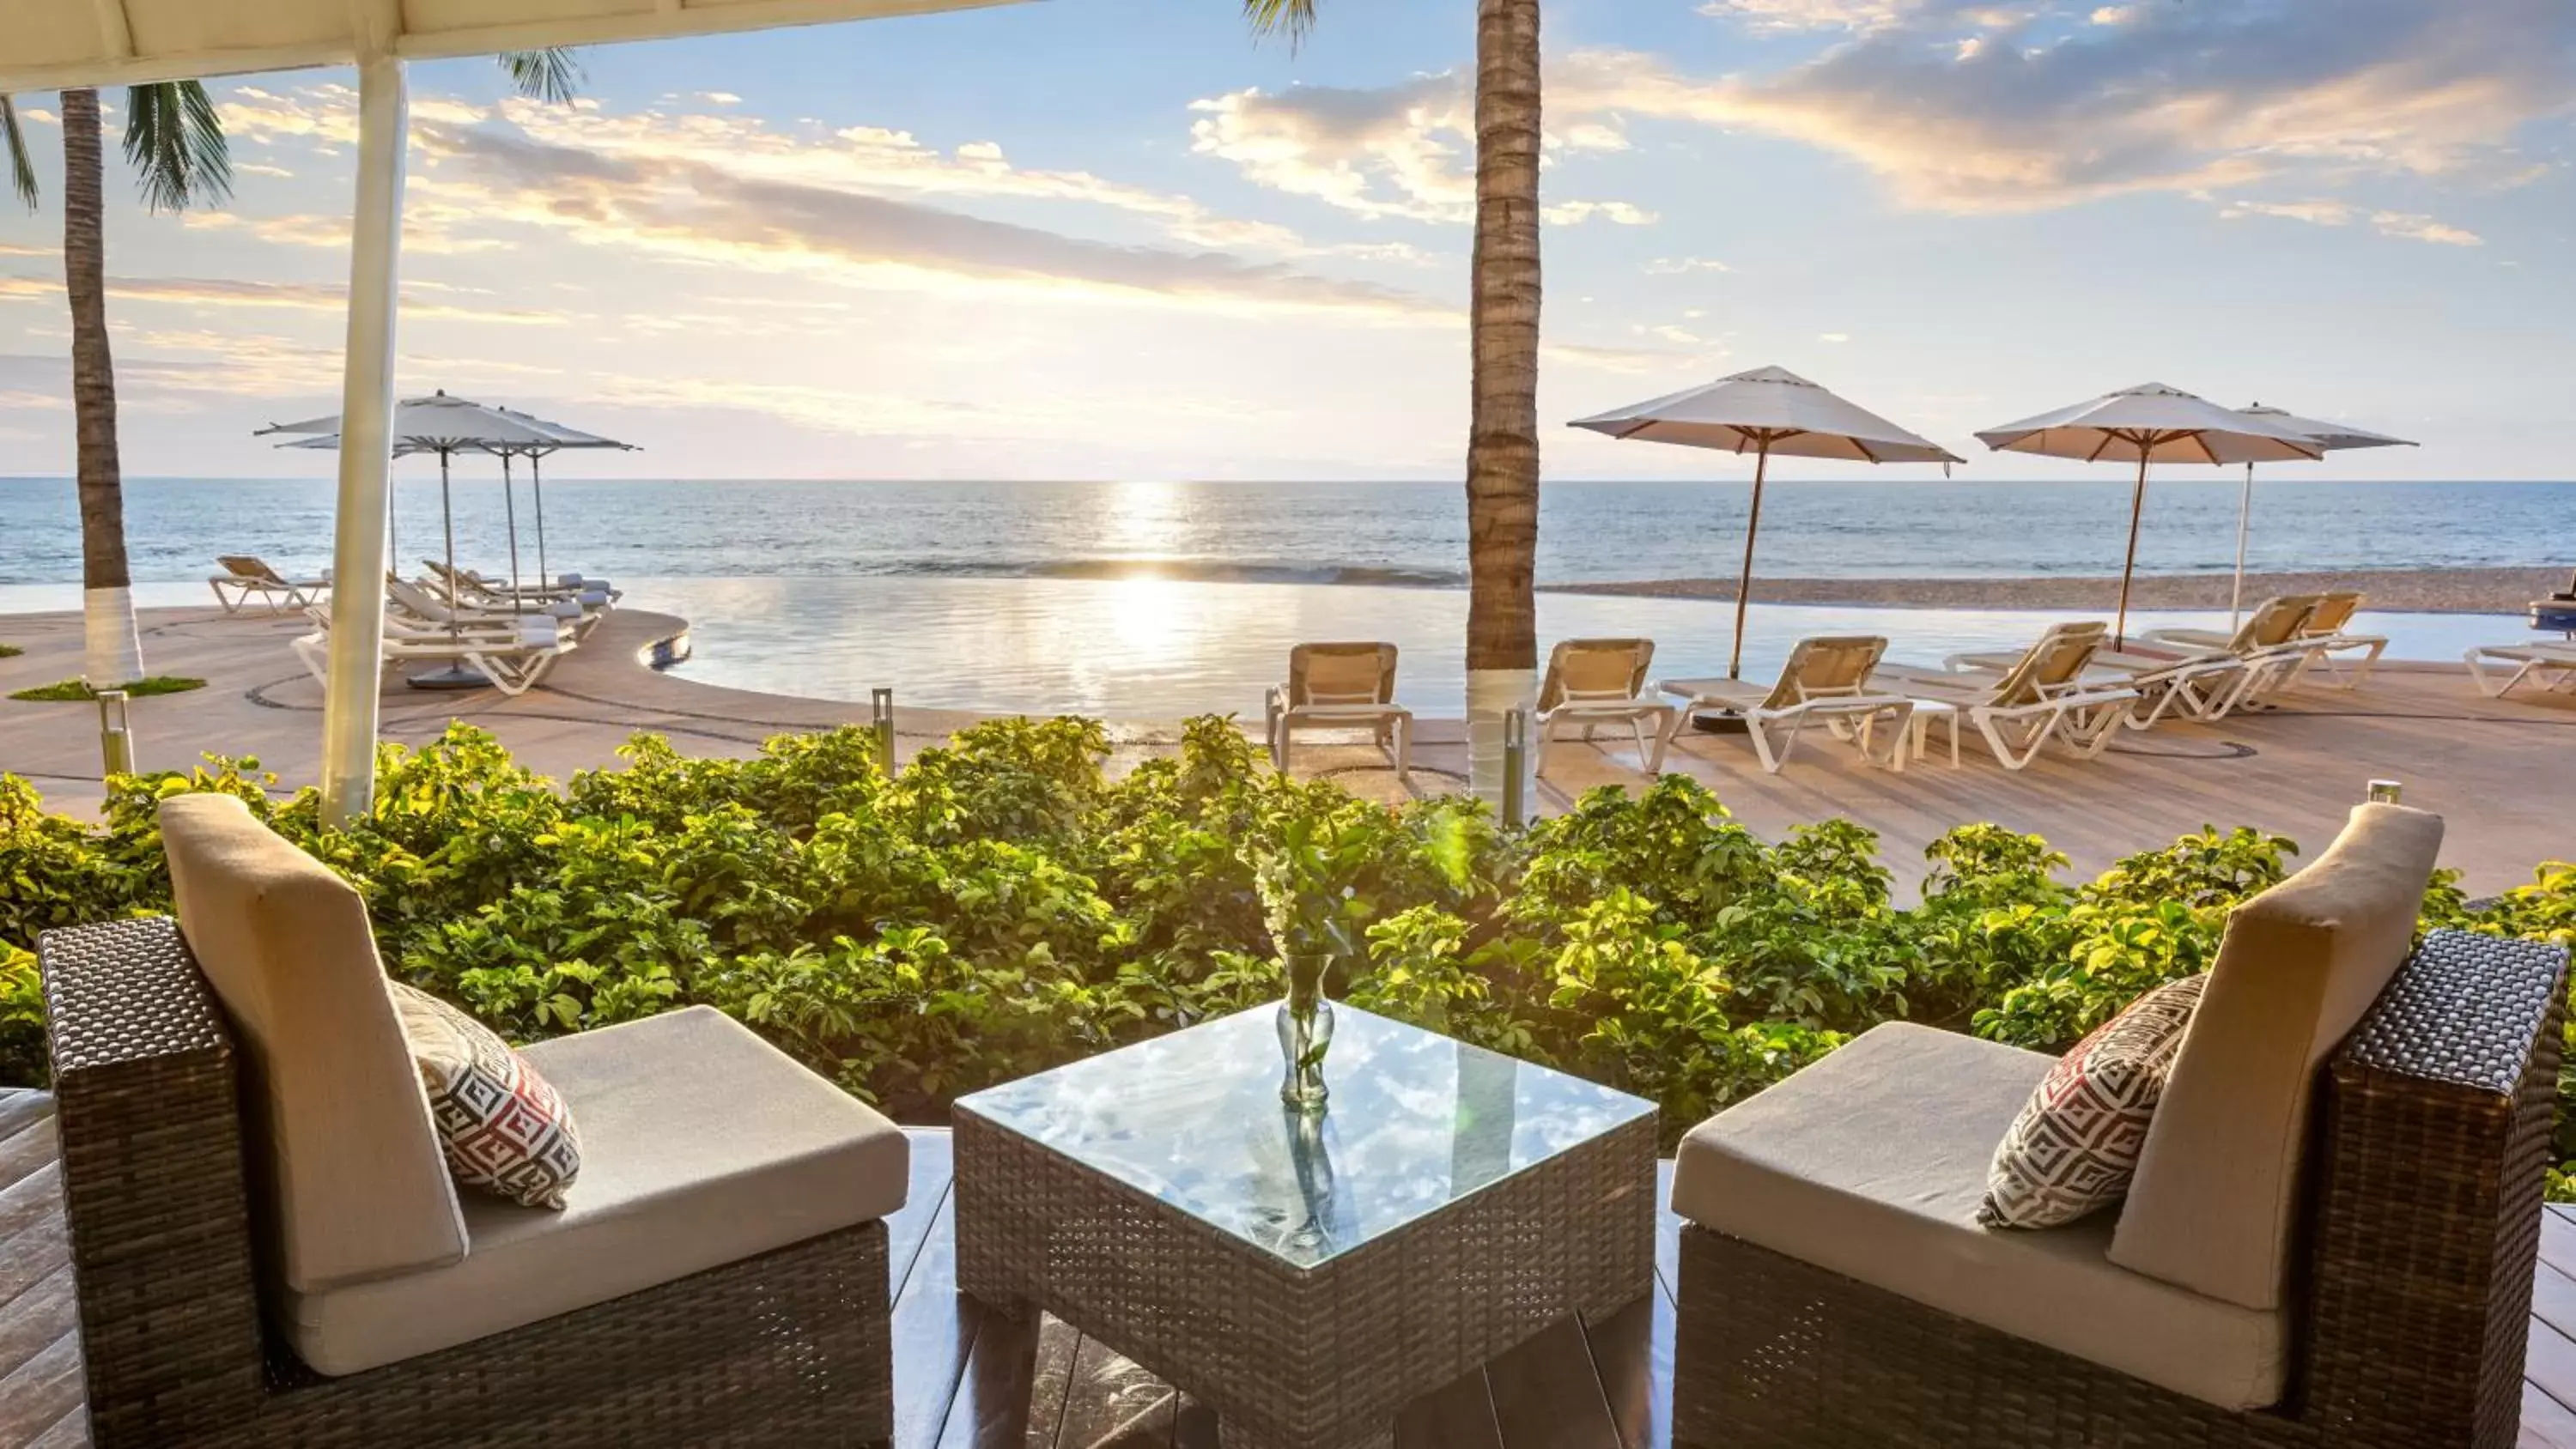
x=1002, y=906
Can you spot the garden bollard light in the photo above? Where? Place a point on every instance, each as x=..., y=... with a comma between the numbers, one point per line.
x=881, y=719
x=115, y=734
x=1516, y=723
x=2385, y=792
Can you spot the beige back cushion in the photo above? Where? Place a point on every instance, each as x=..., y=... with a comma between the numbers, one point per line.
x=356, y=1185
x=1341, y=674
x=1596, y=669
x=1825, y=666
x=2215, y=1199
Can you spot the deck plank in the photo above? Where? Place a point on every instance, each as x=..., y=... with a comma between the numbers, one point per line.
x=966, y=1379
x=1113, y=1403
x=1458, y=1415
x=1547, y=1394
x=934, y=1334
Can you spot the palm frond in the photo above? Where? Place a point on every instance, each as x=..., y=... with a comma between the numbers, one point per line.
x=175, y=141
x=552, y=75
x=22, y=172
x=1293, y=18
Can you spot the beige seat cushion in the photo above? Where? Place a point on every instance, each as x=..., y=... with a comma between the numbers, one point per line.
x=354, y=1183
x=701, y=1145
x=1870, y=1164
x=2217, y=1187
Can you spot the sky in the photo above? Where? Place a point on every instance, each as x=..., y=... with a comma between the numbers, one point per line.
x=1121, y=239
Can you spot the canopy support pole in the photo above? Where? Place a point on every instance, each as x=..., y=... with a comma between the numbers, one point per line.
x=1744, y=585
x=2137, y=510
x=351, y=696
x=2244, y=524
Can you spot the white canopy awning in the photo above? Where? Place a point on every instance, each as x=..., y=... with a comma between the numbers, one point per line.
x=49, y=44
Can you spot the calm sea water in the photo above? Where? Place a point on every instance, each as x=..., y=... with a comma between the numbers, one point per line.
x=1345, y=533
x=1149, y=601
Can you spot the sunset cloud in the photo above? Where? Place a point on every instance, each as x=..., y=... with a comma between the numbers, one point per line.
x=677, y=206
x=1403, y=152
x=301, y=296
x=1967, y=109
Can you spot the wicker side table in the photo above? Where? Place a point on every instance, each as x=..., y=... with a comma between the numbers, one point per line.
x=1305, y=1277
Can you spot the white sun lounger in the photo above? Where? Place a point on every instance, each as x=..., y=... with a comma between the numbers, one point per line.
x=479, y=590
x=2046, y=692
x=246, y=576
x=426, y=607
x=1341, y=686
x=1593, y=682
x=2489, y=665
x=512, y=664
x=1826, y=681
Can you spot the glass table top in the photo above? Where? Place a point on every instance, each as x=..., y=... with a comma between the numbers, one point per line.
x=1417, y=1121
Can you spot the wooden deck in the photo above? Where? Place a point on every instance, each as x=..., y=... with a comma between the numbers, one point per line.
x=2503, y=772
x=967, y=1379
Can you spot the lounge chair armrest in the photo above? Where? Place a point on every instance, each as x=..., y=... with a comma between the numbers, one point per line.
x=2438, y=1115
x=1981, y=661
x=155, y=1196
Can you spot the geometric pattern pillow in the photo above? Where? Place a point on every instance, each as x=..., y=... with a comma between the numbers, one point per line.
x=503, y=1128
x=2075, y=1145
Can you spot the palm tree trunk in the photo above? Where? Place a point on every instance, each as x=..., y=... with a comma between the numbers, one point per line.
x=114, y=653
x=1502, y=443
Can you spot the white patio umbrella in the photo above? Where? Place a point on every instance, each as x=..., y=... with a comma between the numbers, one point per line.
x=2150, y=423
x=445, y=426
x=2331, y=437
x=564, y=438
x=1764, y=411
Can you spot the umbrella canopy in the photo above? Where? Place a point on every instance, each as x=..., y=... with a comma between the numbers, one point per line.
x=1769, y=409
x=438, y=423
x=2331, y=437
x=1765, y=411
x=2146, y=424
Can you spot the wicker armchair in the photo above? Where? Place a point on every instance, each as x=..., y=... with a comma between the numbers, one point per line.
x=2416, y=1225
x=173, y=1243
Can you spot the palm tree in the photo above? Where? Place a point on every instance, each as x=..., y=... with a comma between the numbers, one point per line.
x=1502, y=328
x=174, y=138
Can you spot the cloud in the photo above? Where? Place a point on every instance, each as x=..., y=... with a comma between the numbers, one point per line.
x=1810, y=14
x=1635, y=361
x=1684, y=266
x=1402, y=152
x=2410, y=225
x=1574, y=213
x=1965, y=108
x=1834, y=337
x=234, y=292
x=679, y=207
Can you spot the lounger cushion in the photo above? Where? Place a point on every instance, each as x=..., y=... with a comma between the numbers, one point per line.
x=701, y=1145
x=355, y=1184
x=2216, y=1192
x=504, y=1127
x=1871, y=1164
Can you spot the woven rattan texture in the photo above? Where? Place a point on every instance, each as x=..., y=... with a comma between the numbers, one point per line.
x=2412, y=1289
x=1315, y=1359
x=792, y=1348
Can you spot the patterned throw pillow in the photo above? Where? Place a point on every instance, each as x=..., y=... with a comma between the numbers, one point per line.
x=504, y=1129
x=2076, y=1143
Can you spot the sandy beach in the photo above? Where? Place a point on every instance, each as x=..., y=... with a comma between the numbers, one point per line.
x=2427, y=591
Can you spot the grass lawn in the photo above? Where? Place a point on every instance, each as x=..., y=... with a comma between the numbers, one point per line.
x=10, y=651
x=76, y=690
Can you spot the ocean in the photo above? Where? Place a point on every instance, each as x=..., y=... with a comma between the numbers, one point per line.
x=1324, y=533
x=1150, y=601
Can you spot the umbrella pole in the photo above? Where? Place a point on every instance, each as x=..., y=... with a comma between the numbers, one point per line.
x=2137, y=509
x=510, y=512
x=537, y=482
x=1744, y=585
x=2244, y=523
x=447, y=518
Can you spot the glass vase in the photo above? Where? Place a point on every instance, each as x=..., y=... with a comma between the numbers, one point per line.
x=1305, y=1034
